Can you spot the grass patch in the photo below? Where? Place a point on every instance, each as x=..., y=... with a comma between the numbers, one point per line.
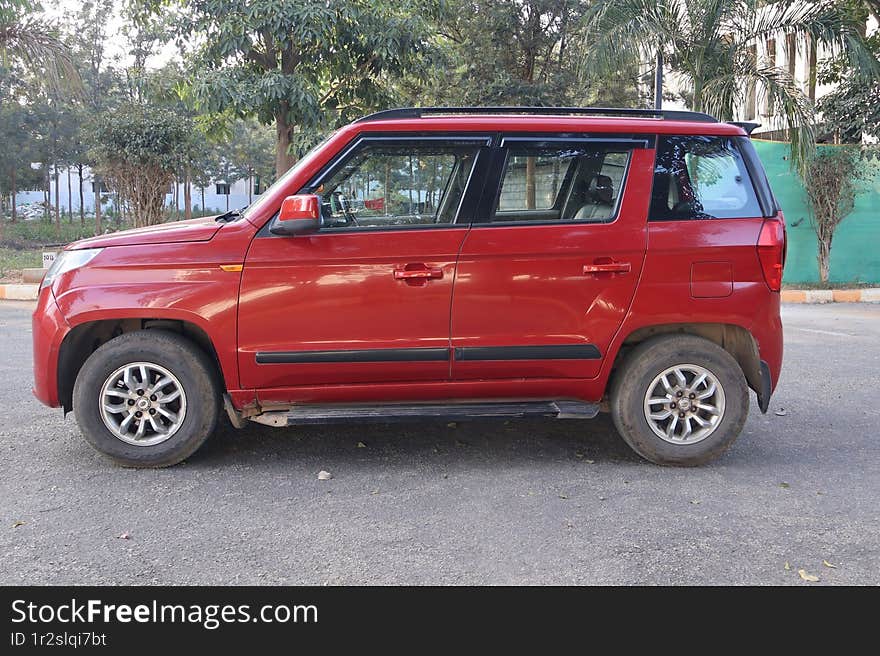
x=27, y=235
x=12, y=260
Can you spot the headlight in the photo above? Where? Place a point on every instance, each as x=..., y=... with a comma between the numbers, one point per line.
x=67, y=261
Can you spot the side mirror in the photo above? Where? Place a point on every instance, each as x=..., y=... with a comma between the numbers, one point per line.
x=299, y=215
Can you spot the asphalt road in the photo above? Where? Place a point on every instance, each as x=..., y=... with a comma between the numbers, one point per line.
x=534, y=502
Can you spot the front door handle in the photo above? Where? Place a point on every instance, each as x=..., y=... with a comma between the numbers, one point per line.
x=607, y=267
x=417, y=272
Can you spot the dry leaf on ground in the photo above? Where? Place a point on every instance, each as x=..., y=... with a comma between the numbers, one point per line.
x=812, y=578
x=324, y=475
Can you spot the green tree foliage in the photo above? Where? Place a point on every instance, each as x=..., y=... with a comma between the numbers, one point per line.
x=832, y=181
x=302, y=65
x=35, y=44
x=517, y=53
x=138, y=149
x=852, y=110
x=711, y=45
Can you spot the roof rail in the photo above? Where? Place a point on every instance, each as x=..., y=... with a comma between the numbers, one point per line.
x=419, y=112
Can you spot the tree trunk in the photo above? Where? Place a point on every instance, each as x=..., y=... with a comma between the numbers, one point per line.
x=283, y=160
x=204, y=209
x=658, y=81
x=176, y=199
x=47, y=195
x=97, y=183
x=698, y=94
x=530, y=182
x=824, y=259
x=187, y=196
x=57, y=202
x=13, y=194
x=69, y=198
x=82, y=205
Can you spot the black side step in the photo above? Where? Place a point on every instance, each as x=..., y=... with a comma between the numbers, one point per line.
x=324, y=414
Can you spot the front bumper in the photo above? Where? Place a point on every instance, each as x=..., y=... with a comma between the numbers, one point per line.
x=49, y=330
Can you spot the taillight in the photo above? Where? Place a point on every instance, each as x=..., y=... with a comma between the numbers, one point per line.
x=771, y=251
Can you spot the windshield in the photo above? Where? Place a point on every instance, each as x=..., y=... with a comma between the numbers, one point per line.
x=263, y=198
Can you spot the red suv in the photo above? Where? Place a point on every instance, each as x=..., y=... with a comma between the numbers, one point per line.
x=447, y=262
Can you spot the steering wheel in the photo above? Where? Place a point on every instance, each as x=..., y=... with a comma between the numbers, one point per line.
x=339, y=202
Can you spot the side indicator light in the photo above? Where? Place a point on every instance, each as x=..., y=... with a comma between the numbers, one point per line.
x=232, y=268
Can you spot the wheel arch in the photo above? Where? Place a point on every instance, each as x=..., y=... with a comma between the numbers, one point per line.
x=85, y=338
x=734, y=339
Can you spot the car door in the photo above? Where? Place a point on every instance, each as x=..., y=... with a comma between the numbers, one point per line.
x=366, y=299
x=550, y=266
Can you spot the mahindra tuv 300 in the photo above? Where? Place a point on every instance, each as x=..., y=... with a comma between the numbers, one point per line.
x=449, y=262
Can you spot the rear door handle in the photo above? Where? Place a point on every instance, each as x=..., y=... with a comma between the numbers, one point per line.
x=607, y=267
x=417, y=272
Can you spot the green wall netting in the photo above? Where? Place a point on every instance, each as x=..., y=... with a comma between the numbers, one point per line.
x=855, y=253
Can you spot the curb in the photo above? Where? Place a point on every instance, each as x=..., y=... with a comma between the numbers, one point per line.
x=19, y=292
x=867, y=295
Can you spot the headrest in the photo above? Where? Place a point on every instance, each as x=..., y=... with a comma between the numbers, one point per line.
x=602, y=190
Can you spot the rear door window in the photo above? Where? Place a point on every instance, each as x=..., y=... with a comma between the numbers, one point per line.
x=701, y=177
x=562, y=181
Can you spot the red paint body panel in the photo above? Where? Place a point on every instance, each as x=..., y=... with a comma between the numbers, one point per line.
x=178, y=281
x=499, y=286
x=525, y=285
x=329, y=291
x=202, y=229
x=662, y=296
x=49, y=329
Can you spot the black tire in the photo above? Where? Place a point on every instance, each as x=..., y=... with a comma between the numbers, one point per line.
x=647, y=361
x=189, y=364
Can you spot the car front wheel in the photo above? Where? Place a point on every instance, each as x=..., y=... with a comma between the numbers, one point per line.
x=147, y=399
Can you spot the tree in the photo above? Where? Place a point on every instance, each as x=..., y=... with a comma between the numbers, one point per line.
x=526, y=53
x=34, y=43
x=138, y=150
x=851, y=110
x=18, y=131
x=831, y=183
x=102, y=86
x=250, y=151
x=301, y=65
x=711, y=45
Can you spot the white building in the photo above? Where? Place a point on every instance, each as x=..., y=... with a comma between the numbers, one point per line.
x=801, y=59
x=215, y=198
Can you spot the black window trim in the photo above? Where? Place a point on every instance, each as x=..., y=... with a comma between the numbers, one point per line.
x=760, y=183
x=499, y=168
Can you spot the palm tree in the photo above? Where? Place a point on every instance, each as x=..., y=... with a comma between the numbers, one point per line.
x=712, y=45
x=33, y=42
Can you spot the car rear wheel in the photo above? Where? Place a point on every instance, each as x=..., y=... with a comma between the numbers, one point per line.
x=679, y=400
x=147, y=399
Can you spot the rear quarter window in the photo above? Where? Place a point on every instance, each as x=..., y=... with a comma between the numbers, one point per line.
x=701, y=177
